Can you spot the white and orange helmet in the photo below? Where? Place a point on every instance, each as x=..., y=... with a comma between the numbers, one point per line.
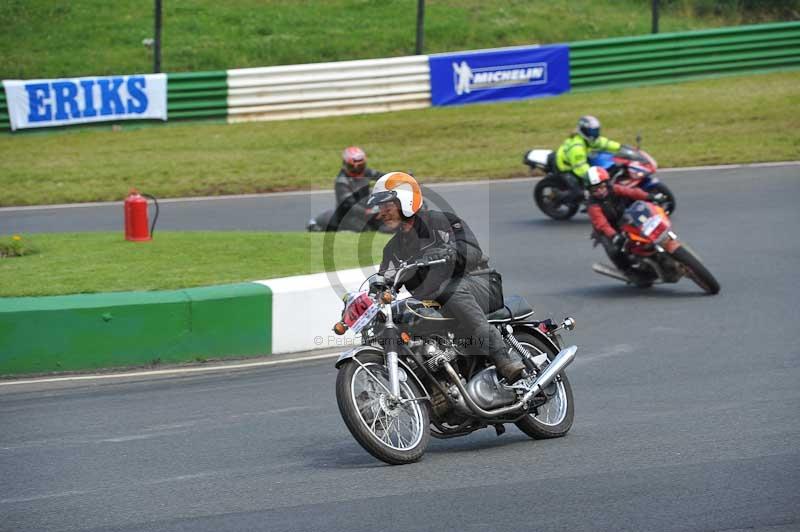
x=401, y=187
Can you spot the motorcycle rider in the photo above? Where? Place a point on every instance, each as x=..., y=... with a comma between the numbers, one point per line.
x=606, y=206
x=352, y=190
x=430, y=235
x=572, y=157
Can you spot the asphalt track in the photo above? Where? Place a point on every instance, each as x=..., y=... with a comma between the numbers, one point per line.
x=688, y=406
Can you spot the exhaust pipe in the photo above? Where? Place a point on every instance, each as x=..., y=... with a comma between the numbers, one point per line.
x=608, y=271
x=563, y=359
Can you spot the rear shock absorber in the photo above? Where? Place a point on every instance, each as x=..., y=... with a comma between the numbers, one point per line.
x=527, y=358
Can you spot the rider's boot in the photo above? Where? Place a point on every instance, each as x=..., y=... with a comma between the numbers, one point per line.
x=508, y=368
x=639, y=278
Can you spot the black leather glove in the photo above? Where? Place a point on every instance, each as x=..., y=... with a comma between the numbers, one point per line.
x=439, y=253
x=618, y=241
x=657, y=197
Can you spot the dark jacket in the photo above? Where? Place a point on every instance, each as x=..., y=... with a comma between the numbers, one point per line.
x=352, y=193
x=606, y=213
x=434, y=231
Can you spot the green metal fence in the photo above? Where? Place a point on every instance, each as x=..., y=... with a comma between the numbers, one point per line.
x=668, y=57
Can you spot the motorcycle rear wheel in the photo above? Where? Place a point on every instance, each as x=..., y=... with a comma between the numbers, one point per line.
x=395, y=434
x=696, y=271
x=545, y=197
x=554, y=418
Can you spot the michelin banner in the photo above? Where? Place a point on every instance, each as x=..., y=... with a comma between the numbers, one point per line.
x=502, y=74
x=61, y=102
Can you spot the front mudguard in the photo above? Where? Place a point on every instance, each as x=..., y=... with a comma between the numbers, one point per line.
x=371, y=350
x=355, y=351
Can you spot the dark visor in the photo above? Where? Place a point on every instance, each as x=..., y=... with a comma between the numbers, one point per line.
x=381, y=197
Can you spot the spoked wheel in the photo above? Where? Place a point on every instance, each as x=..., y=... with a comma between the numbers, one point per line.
x=394, y=432
x=696, y=271
x=547, y=195
x=554, y=418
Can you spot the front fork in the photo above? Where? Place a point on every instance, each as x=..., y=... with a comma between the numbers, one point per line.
x=391, y=341
x=394, y=375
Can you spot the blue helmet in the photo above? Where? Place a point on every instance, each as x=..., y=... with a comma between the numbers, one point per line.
x=589, y=128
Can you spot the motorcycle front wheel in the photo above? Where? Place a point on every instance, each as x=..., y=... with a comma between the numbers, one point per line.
x=554, y=418
x=393, y=433
x=546, y=195
x=696, y=271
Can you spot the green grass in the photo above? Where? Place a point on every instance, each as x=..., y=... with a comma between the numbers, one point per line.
x=44, y=38
x=728, y=120
x=71, y=263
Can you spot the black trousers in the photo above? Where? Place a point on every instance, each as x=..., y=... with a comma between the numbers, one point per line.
x=468, y=301
x=575, y=187
x=343, y=219
x=619, y=259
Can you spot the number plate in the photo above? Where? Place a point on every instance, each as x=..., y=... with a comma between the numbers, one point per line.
x=651, y=225
x=365, y=319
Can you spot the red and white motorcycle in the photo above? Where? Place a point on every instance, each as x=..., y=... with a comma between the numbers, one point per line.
x=656, y=252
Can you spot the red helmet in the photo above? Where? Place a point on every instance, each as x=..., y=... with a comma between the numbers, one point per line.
x=597, y=176
x=354, y=161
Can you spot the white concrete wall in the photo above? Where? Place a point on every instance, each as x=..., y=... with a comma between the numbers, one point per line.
x=305, y=308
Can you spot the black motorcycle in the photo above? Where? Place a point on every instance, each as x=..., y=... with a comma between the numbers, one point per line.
x=630, y=167
x=411, y=378
x=326, y=221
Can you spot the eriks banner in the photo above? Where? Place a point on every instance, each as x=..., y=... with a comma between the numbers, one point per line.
x=60, y=102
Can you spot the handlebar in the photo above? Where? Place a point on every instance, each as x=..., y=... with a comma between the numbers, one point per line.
x=418, y=264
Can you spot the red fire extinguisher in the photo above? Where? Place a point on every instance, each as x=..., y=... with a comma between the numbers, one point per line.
x=136, y=229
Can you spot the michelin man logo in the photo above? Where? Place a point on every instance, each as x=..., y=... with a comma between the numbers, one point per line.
x=463, y=75
x=467, y=79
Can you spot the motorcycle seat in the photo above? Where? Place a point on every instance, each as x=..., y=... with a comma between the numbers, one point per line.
x=514, y=308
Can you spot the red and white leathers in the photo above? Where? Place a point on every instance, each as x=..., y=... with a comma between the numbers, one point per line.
x=606, y=212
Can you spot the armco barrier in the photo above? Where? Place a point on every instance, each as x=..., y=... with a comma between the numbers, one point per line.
x=83, y=332
x=197, y=95
x=378, y=85
x=668, y=57
x=328, y=89
x=5, y=124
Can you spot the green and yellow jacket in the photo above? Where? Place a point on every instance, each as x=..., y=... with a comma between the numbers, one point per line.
x=573, y=154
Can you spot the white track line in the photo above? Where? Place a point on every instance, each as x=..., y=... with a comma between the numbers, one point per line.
x=175, y=371
x=315, y=192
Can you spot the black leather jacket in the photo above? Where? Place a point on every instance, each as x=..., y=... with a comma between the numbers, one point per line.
x=352, y=193
x=434, y=231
